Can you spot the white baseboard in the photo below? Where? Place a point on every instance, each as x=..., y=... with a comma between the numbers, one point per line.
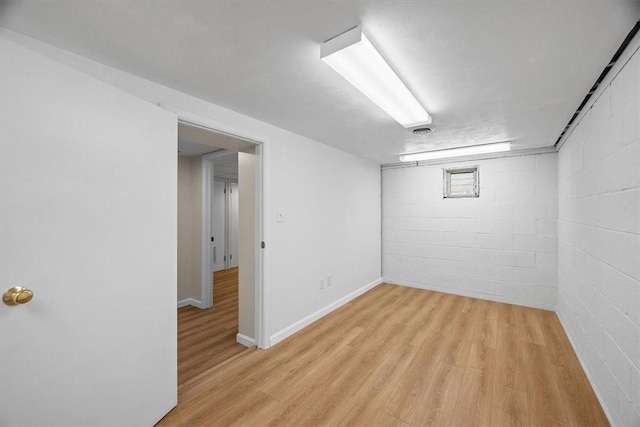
x=245, y=340
x=189, y=301
x=292, y=329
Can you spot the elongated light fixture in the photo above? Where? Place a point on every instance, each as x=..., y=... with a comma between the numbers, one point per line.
x=456, y=152
x=353, y=56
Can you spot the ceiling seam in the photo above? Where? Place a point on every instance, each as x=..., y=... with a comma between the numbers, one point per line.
x=598, y=81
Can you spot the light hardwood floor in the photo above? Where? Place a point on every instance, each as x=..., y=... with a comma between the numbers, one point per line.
x=399, y=356
x=208, y=337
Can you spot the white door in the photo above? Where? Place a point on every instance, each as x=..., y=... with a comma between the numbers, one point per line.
x=219, y=219
x=88, y=223
x=233, y=224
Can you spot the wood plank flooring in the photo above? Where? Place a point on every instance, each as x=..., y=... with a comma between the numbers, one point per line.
x=208, y=337
x=398, y=356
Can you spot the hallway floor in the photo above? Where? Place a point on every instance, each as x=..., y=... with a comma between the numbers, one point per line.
x=208, y=337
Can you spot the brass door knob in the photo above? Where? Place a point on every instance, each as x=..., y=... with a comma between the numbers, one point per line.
x=17, y=295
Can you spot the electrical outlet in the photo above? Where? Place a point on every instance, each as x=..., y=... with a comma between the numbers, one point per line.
x=321, y=283
x=329, y=281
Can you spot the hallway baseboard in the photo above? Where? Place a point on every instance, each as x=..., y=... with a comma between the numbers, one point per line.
x=245, y=340
x=189, y=301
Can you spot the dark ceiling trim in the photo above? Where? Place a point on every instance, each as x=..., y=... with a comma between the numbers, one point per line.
x=604, y=73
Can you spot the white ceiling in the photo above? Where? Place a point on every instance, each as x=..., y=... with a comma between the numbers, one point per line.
x=195, y=138
x=193, y=149
x=486, y=70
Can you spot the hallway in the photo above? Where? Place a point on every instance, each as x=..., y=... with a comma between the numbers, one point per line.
x=208, y=337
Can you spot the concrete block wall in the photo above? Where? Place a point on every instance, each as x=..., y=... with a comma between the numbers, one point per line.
x=599, y=244
x=501, y=246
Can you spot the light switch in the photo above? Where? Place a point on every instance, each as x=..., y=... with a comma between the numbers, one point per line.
x=280, y=215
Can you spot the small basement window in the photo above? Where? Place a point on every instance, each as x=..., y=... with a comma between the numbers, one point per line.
x=461, y=182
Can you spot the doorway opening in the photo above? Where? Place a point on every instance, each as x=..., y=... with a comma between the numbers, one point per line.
x=219, y=240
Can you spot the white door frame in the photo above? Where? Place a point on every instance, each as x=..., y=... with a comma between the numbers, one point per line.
x=208, y=176
x=228, y=193
x=225, y=249
x=228, y=227
x=260, y=309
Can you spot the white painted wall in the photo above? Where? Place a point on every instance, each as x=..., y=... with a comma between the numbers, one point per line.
x=500, y=246
x=599, y=243
x=189, y=230
x=331, y=206
x=331, y=199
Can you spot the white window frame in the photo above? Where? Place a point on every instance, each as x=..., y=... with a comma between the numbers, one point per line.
x=447, y=182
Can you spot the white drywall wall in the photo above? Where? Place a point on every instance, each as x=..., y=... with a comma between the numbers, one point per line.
x=330, y=201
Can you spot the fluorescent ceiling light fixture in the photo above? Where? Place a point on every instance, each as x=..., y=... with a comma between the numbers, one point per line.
x=353, y=56
x=456, y=152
